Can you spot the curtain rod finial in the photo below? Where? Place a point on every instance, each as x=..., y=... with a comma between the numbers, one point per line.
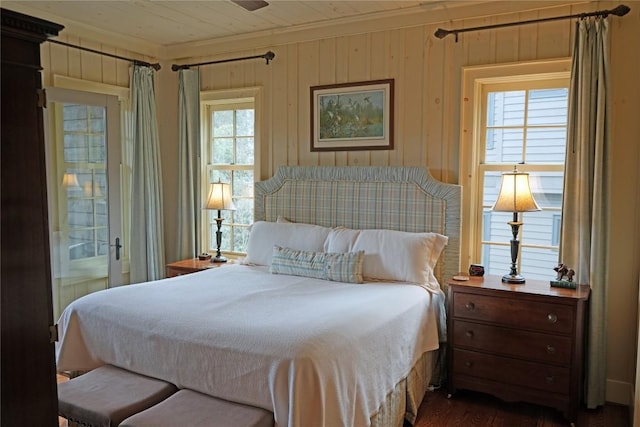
x=620, y=10
x=269, y=56
x=441, y=33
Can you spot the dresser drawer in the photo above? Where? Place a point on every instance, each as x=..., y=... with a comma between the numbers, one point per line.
x=512, y=342
x=542, y=316
x=511, y=371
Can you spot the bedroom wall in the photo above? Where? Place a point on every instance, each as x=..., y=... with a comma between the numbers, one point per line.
x=427, y=74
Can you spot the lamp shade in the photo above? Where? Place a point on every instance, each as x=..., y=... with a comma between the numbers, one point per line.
x=69, y=180
x=515, y=193
x=219, y=197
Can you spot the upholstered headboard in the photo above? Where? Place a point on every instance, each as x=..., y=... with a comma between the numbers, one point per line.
x=394, y=198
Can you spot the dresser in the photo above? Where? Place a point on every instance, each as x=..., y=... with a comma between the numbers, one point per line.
x=518, y=342
x=191, y=265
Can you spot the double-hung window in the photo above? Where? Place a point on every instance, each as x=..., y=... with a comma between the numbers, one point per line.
x=523, y=123
x=229, y=148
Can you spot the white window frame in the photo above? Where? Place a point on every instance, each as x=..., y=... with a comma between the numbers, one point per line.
x=472, y=139
x=209, y=101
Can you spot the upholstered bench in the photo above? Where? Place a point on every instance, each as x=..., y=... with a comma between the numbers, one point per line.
x=188, y=408
x=107, y=395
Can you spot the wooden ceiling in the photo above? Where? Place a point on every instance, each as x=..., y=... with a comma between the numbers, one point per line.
x=166, y=23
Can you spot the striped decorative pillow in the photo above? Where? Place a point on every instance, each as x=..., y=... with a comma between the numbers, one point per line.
x=337, y=267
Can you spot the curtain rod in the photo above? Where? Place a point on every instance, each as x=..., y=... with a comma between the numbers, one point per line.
x=267, y=56
x=618, y=11
x=155, y=66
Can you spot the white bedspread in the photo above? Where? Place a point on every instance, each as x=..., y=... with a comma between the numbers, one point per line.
x=316, y=353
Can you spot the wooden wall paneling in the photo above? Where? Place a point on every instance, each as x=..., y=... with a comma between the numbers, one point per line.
x=45, y=62
x=236, y=72
x=110, y=66
x=554, y=40
x=293, y=108
x=342, y=76
x=477, y=44
x=359, y=70
x=453, y=62
x=90, y=63
x=411, y=97
x=308, y=76
x=527, y=37
x=379, y=69
x=74, y=60
x=59, y=61
x=434, y=103
x=326, y=75
x=505, y=40
x=277, y=101
x=396, y=66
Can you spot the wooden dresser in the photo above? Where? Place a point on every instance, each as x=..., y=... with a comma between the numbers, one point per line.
x=518, y=342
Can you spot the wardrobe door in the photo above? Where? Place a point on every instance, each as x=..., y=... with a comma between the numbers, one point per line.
x=29, y=396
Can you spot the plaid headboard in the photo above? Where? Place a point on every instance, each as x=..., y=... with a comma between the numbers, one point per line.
x=394, y=198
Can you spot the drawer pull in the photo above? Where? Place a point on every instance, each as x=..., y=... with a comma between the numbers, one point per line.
x=551, y=349
x=470, y=305
x=469, y=334
x=550, y=379
x=552, y=317
x=468, y=364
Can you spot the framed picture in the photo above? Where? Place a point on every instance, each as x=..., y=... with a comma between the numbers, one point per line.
x=352, y=116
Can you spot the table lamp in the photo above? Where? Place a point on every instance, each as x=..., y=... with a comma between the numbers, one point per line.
x=515, y=196
x=219, y=198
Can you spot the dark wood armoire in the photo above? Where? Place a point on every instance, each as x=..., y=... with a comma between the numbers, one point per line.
x=29, y=394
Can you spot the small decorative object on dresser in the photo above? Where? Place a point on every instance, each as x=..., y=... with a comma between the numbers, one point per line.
x=564, y=278
x=476, y=270
x=518, y=342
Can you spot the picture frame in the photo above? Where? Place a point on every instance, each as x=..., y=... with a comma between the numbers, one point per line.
x=352, y=116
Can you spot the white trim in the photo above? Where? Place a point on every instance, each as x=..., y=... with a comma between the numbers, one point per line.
x=88, y=86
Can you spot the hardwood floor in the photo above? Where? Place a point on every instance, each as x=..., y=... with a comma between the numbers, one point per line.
x=468, y=408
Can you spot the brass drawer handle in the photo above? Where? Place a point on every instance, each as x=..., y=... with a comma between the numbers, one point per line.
x=470, y=306
x=468, y=364
x=469, y=334
x=551, y=349
x=550, y=379
x=552, y=317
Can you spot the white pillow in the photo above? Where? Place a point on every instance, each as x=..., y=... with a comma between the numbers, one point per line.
x=265, y=235
x=390, y=254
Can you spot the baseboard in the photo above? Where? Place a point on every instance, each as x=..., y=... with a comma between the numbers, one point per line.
x=619, y=392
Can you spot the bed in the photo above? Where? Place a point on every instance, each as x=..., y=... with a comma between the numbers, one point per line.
x=334, y=318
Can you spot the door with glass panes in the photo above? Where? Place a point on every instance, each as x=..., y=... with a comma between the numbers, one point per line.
x=82, y=131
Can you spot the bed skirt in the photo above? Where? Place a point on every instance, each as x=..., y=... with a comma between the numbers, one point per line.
x=404, y=401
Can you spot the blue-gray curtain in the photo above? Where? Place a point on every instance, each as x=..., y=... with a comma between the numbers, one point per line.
x=147, y=233
x=585, y=207
x=189, y=204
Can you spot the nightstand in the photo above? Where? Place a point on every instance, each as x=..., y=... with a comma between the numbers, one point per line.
x=191, y=265
x=518, y=342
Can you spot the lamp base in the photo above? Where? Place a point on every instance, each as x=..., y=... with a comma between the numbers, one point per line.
x=218, y=259
x=515, y=279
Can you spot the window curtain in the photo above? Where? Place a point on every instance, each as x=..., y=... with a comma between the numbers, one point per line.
x=147, y=235
x=189, y=205
x=585, y=206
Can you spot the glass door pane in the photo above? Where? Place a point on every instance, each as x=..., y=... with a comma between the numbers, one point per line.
x=80, y=176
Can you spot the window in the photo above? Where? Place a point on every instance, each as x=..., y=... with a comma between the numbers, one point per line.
x=518, y=119
x=230, y=157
